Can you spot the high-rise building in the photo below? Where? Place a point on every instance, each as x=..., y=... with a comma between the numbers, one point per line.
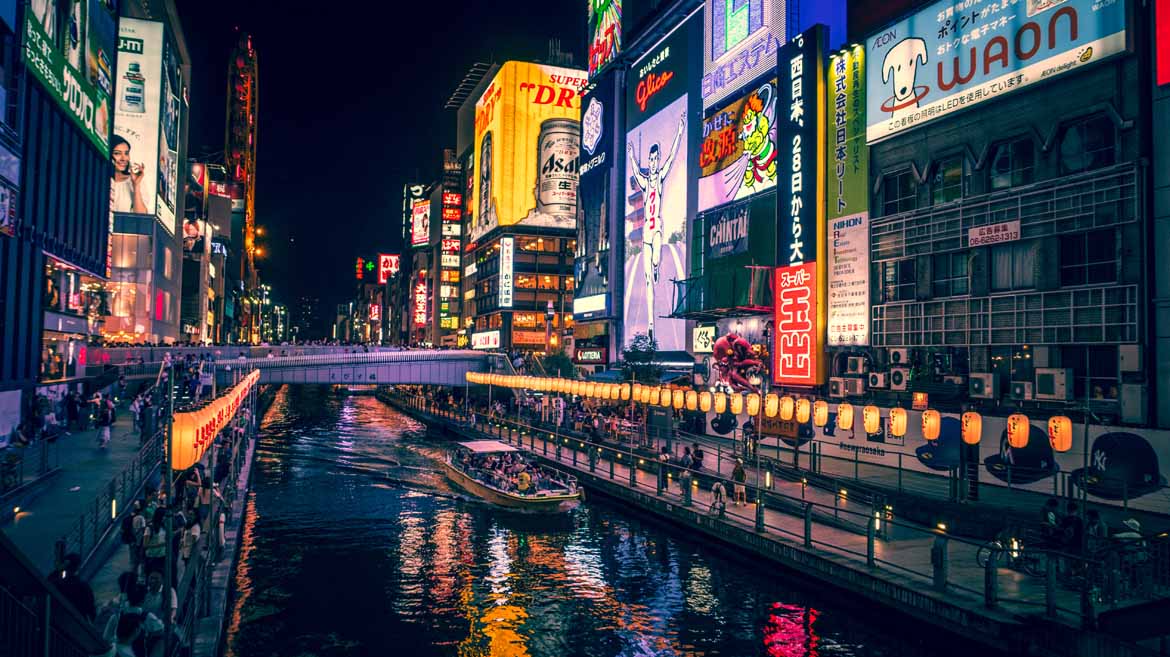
x=240, y=156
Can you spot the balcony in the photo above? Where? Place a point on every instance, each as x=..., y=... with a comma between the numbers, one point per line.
x=1093, y=315
x=1094, y=199
x=724, y=293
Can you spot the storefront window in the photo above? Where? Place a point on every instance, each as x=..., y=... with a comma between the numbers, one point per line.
x=62, y=356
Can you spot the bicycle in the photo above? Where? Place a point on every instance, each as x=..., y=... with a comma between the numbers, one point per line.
x=1012, y=554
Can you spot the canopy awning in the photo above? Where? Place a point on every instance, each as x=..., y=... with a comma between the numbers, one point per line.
x=486, y=447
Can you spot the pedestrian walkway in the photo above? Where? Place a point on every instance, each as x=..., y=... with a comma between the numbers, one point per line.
x=86, y=472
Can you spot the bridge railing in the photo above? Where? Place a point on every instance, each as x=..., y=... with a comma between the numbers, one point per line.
x=353, y=359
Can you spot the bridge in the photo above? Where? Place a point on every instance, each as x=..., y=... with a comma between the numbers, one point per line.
x=424, y=367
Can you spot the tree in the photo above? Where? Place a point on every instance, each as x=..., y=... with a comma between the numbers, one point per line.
x=559, y=364
x=638, y=360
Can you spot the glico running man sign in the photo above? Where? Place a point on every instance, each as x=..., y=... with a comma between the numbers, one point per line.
x=799, y=283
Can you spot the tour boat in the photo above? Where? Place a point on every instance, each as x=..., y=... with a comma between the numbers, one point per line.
x=464, y=465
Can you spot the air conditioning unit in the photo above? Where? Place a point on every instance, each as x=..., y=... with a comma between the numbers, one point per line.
x=899, y=378
x=837, y=386
x=854, y=387
x=1133, y=403
x=983, y=385
x=1021, y=390
x=878, y=380
x=856, y=364
x=1054, y=383
x=899, y=356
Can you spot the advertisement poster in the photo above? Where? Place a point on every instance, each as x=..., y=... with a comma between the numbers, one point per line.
x=101, y=40
x=134, y=147
x=65, y=72
x=591, y=264
x=727, y=232
x=527, y=137
x=740, y=354
x=420, y=222
x=170, y=117
x=604, y=27
x=389, y=264
x=740, y=42
x=737, y=155
x=941, y=60
x=655, y=191
x=1162, y=40
x=848, y=201
x=798, y=286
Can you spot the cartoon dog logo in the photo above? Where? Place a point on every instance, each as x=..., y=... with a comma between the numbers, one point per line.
x=901, y=65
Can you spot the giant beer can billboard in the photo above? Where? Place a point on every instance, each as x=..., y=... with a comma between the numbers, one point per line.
x=527, y=136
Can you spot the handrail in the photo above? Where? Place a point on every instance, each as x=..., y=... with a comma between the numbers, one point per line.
x=1094, y=580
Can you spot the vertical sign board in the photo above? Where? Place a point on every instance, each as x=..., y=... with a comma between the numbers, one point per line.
x=596, y=162
x=420, y=222
x=507, y=258
x=420, y=304
x=1162, y=40
x=740, y=41
x=655, y=189
x=389, y=264
x=943, y=59
x=799, y=285
x=847, y=179
x=604, y=31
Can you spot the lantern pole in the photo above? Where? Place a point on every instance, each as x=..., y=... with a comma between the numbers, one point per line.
x=168, y=473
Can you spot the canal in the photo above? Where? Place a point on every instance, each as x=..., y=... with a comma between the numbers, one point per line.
x=354, y=544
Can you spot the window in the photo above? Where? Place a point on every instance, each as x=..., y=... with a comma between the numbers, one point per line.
x=1013, y=164
x=900, y=192
x=949, y=274
x=947, y=184
x=1094, y=371
x=1087, y=144
x=1012, y=266
x=1088, y=258
x=1013, y=363
x=898, y=280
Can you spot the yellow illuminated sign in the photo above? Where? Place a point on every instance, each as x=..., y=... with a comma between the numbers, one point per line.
x=527, y=135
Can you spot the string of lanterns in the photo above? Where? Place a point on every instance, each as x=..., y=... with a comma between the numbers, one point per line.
x=785, y=407
x=194, y=431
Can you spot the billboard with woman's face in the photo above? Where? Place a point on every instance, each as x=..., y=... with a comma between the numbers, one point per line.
x=134, y=148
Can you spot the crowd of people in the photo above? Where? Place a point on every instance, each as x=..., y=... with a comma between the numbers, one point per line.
x=509, y=472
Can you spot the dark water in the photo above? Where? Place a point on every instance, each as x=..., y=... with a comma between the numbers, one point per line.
x=355, y=545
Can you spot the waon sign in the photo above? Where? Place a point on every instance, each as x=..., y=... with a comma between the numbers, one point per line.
x=389, y=264
x=800, y=280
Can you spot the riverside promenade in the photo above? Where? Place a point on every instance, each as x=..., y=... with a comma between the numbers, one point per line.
x=915, y=571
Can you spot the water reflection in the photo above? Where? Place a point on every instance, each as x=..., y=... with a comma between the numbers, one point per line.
x=353, y=544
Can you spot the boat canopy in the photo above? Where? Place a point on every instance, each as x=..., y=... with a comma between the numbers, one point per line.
x=487, y=447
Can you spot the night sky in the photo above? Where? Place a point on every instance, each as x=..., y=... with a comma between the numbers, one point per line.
x=351, y=108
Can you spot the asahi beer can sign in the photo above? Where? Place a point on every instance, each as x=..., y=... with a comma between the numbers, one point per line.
x=556, y=183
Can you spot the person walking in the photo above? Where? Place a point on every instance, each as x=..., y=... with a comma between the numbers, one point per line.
x=154, y=541
x=684, y=473
x=718, y=497
x=105, y=422
x=739, y=476
x=697, y=455
x=663, y=461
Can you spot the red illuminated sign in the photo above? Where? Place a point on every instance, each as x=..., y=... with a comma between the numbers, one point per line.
x=359, y=267
x=420, y=303
x=1162, y=40
x=389, y=264
x=450, y=246
x=451, y=214
x=796, y=325
x=452, y=199
x=375, y=312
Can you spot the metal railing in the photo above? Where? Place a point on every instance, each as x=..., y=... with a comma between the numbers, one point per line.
x=1067, y=584
x=20, y=466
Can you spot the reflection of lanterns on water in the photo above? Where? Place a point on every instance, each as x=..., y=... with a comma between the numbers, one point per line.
x=790, y=631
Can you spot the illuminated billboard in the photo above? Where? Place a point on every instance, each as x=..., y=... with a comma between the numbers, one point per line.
x=799, y=283
x=737, y=155
x=420, y=222
x=941, y=60
x=604, y=19
x=507, y=262
x=134, y=148
x=1162, y=40
x=389, y=264
x=847, y=200
x=527, y=134
x=76, y=74
x=170, y=118
x=740, y=41
x=655, y=190
x=596, y=207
